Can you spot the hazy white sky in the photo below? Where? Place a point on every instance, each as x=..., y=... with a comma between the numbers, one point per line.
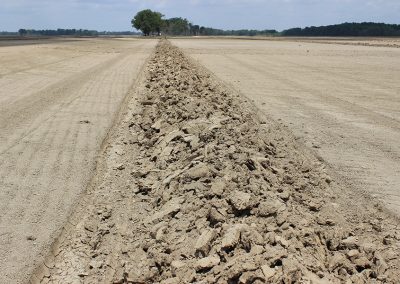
x=227, y=14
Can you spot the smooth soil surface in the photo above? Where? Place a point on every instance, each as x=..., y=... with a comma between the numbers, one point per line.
x=341, y=99
x=57, y=102
x=16, y=41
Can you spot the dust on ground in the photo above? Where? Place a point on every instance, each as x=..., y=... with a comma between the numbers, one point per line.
x=195, y=187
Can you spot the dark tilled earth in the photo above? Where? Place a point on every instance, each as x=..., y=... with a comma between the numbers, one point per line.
x=195, y=187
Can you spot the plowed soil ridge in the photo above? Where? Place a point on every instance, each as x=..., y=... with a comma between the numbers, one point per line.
x=195, y=187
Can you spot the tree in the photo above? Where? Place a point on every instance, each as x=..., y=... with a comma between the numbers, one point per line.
x=148, y=22
x=176, y=26
x=22, y=32
x=195, y=30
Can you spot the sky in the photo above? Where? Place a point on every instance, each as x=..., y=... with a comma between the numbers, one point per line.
x=115, y=15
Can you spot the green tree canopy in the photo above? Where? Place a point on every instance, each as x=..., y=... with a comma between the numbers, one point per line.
x=148, y=22
x=176, y=26
x=22, y=32
x=347, y=29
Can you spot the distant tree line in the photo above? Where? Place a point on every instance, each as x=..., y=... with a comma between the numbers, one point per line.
x=119, y=33
x=149, y=22
x=2, y=33
x=58, y=32
x=217, y=32
x=69, y=32
x=153, y=23
x=347, y=29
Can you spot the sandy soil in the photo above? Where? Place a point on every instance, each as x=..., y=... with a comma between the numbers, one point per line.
x=195, y=185
x=393, y=42
x=363, y=41
x=57, y=102
x=341, y=100
x=16, y=41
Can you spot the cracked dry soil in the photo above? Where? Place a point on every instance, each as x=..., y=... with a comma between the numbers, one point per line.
x=194, y=186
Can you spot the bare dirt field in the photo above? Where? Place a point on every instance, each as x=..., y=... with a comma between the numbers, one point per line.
x=359, y=41
x=196, y=185
x=234, y=161
x=393, y=42
x=16, y=40
x=57, y=102
x=341, y=100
